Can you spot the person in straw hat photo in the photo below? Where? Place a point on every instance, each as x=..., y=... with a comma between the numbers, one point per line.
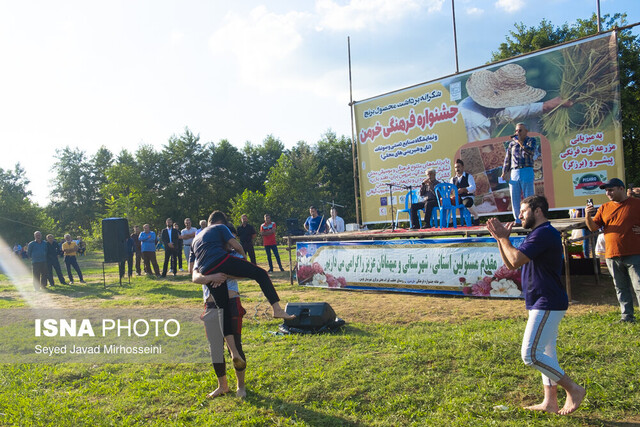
x=497, y=98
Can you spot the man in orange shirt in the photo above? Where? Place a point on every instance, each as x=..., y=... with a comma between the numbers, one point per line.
x=621, y=221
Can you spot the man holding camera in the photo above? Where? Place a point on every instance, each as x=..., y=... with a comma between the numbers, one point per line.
x=621, y=221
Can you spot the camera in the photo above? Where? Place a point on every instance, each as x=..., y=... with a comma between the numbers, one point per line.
x=589, y=202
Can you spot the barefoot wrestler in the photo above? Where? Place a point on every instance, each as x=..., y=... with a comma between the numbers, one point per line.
x=540, y=257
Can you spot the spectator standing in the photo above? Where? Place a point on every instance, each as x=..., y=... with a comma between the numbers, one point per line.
x=148, y=248
x=138, y=247
x=186, y=235
x=203, y=225
x=70, y=249
x=37, y=251
x=268, y=232
x=169, y=239
x=247, y=234
x=130, y=249
x=540, y=256
x=53, y=251
x=179, y=246
x=82, y=246
x=335, y=224
x=620, y=218
x=17, y=249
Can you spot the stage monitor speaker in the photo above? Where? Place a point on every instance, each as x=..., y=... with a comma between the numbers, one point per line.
x=115, y=232
x=309, y=315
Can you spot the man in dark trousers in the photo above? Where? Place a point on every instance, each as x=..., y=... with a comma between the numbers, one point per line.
x=53, y=251
x=138, y=248
x=247, y=235
x=170, y=239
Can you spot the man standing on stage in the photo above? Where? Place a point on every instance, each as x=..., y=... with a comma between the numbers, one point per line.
x=540, y=256
x=621, y=221
x=247, y=234
x=268, y=232
x=517, y=169
x=314, y=223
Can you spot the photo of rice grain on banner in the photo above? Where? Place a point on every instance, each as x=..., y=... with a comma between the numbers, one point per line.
x=590, y=81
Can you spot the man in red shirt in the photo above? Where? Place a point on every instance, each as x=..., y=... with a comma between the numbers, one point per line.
x=268, y=232
x=621, y=221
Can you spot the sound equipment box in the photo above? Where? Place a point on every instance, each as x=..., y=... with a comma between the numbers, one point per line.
x=115, y=232
x=309, y=315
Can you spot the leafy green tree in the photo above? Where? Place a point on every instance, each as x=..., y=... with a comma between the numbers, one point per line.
x=259, y=160
x=526, y=39
x=335, y=161
x=225, y=172
x=19, y=217
x=75, y=202
x=252, y=204
x=295, y=183
x=125, y=194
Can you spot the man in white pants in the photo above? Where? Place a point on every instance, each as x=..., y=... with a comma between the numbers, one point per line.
x=187, y=235
x=540, y=256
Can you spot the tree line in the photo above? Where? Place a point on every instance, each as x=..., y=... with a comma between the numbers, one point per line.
x=185, y=178
x=188, y=179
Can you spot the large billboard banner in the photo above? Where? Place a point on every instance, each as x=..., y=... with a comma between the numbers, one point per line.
x=568, y=98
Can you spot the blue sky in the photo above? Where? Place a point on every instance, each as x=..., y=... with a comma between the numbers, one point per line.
x=125, y=73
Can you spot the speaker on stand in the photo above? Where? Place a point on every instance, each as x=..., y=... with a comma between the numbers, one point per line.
x=115, y=232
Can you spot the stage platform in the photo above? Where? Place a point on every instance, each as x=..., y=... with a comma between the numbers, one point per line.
x=565, y=226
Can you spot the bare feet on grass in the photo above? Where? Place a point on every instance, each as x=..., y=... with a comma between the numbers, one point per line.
x=544, y=407
x=241, y=393
x=574, y=399
x=279, y=313
x=220, y=391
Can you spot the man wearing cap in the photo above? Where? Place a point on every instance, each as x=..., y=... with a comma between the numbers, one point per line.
x=621, y=221
x=517, y=169
x=500, y=98
x=429, y=200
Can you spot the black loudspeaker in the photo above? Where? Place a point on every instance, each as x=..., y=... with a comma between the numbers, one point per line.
x=115, y=232
x=309, y=315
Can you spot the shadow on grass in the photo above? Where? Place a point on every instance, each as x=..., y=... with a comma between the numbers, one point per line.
x=592, y=421
x=81, y=290
x=178, y=293
x=296, y=411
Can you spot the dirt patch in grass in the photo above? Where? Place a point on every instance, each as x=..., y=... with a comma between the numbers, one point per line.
x=397, y=308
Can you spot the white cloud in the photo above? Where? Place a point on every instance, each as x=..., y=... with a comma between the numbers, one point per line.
x=175, y=37
x=259, y=43
x=360, y=14
x=475, y=11
x=510, y=6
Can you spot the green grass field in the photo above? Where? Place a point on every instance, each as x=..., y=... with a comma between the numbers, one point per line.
x=376, y=371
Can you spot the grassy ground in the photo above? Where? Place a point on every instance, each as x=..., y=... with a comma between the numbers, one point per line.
x=400, y=360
